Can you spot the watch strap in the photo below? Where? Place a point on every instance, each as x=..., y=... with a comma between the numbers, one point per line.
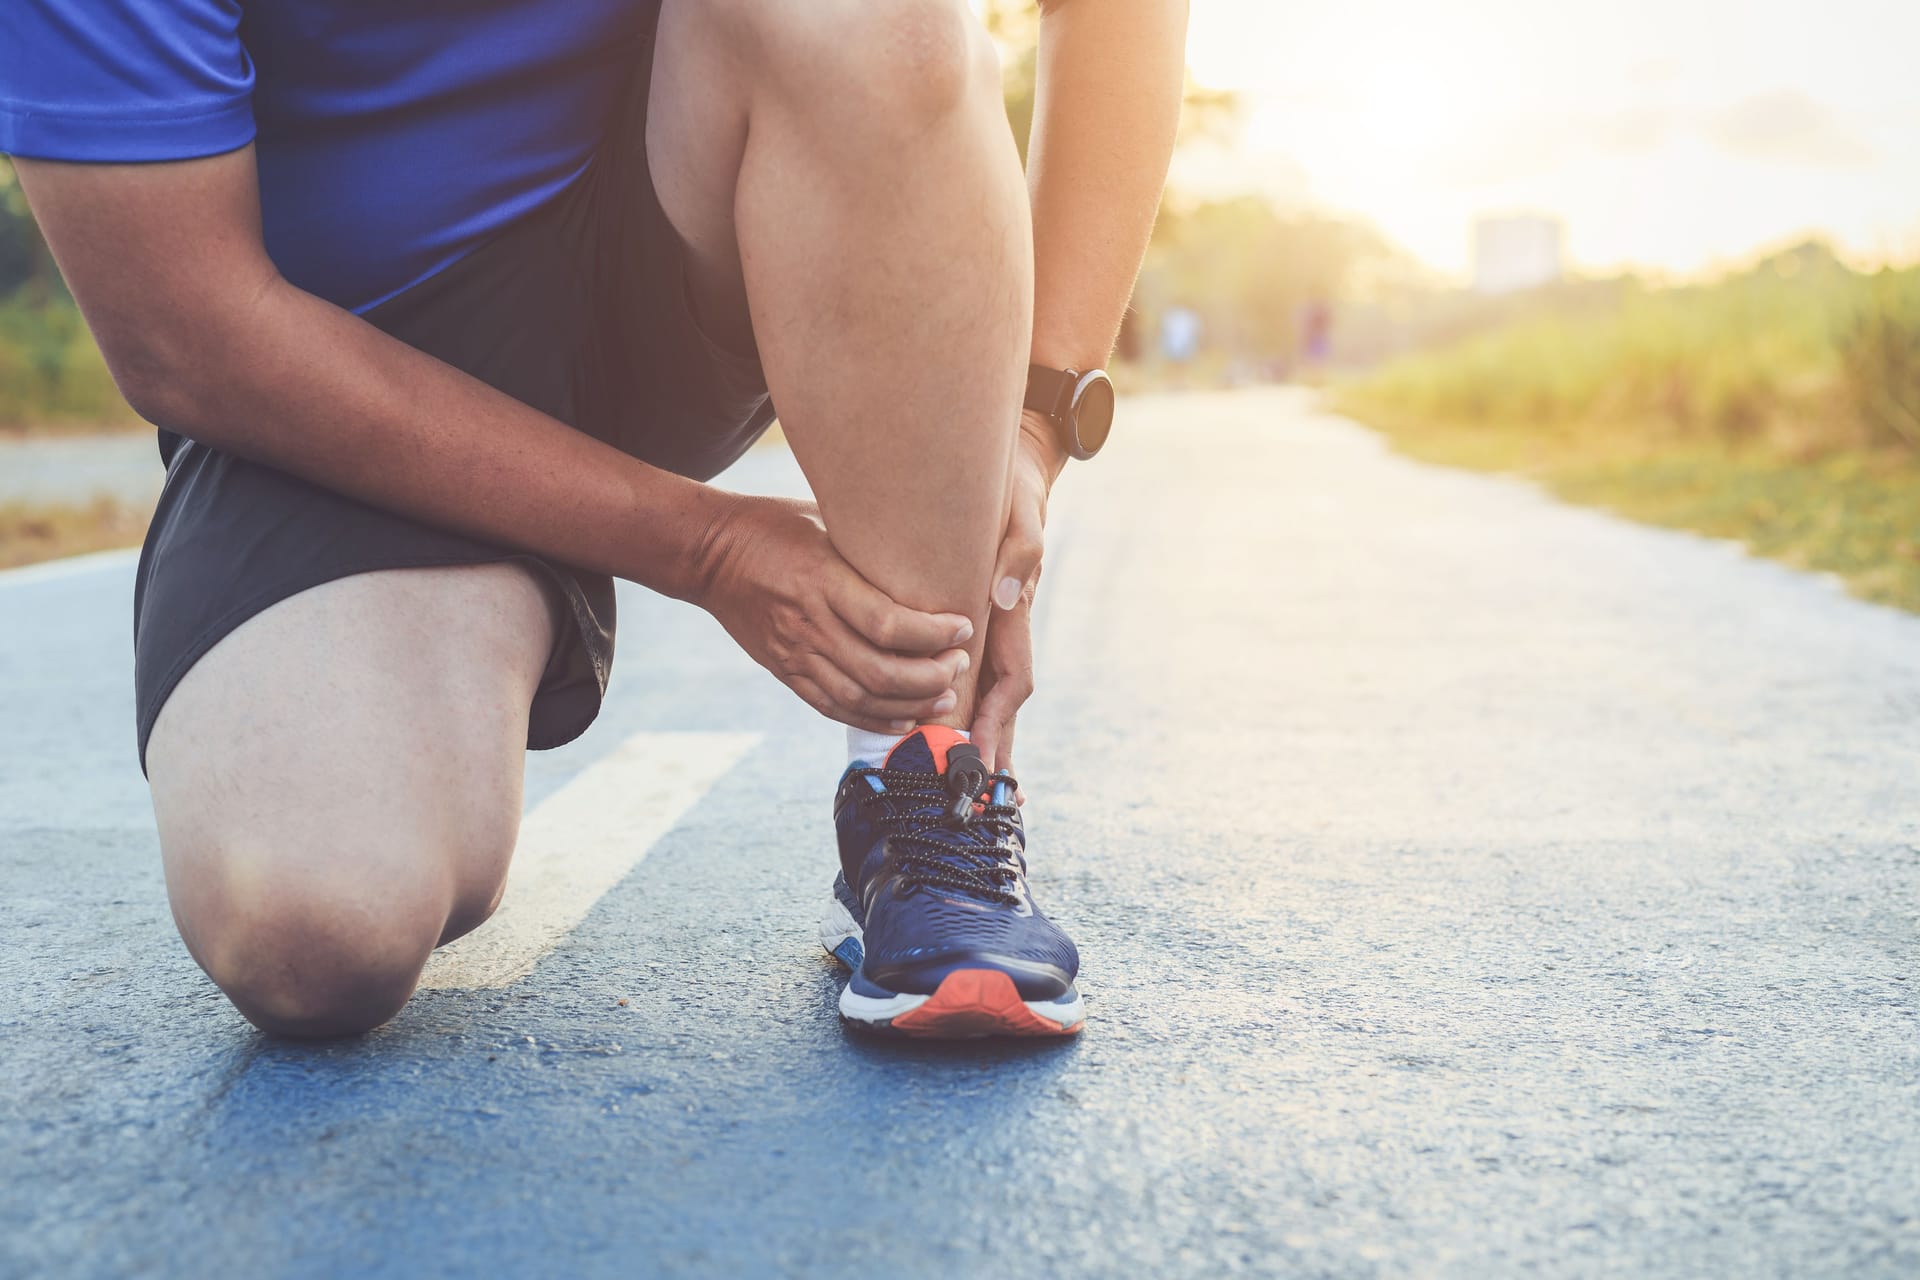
x=1050, y=391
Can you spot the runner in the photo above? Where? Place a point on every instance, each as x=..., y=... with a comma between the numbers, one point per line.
x=447, y=314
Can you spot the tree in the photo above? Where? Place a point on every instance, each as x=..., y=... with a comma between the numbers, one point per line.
x=1015, y=27
x=25, y=263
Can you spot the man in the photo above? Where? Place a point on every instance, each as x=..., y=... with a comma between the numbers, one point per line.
x=447, y=313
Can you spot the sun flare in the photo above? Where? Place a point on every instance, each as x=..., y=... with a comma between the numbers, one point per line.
x=1675, y=138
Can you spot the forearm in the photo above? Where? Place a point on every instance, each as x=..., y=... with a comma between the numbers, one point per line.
x=1106, y=107
x=294, y=382
x=205, y=337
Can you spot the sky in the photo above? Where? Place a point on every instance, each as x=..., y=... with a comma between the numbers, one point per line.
x=1676, y=136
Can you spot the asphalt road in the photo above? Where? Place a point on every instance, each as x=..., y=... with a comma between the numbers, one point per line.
x=124, y=466
x=1468, y=885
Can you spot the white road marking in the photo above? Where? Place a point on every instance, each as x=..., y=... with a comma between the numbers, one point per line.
x=49, y=570
x=580, y=842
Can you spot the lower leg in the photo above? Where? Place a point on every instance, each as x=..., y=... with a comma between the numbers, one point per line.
x=859, y=189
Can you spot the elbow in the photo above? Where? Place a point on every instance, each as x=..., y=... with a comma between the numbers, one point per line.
x=158, y=391
x=163, y=379
x=179, y=361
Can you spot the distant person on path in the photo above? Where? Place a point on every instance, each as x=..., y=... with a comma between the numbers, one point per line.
x=447, y=313
x=1316, y=337
x=1180, y=340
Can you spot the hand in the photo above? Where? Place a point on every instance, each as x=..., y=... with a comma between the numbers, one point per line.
x=1006, y=670
x=799, y=610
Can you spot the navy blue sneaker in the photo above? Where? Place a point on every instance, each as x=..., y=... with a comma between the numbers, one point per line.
x=931, y=909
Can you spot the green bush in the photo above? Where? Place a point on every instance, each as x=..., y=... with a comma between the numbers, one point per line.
x=1780, y=407
x=51, y=374
x=1880, y=357
x=1800, y=354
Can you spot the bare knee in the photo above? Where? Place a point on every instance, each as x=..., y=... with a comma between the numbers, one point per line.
x=313, y=956
x=922, y=59
x=894, y=67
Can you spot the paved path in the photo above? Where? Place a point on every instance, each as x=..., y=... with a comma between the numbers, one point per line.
x=73, y=469
x=1469, y=885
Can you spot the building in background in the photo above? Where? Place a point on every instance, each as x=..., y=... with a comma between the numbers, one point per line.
x=1517, y=251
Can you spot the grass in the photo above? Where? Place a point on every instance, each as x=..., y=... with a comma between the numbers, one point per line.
x=1779, y=407
x=31, y=532
x=1855, y=514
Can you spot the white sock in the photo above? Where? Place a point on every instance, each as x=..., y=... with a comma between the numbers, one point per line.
x=872, y=749
x=865, y=747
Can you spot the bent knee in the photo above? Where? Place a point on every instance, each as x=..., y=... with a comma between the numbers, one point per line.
x=897, y=66
x=315, y=960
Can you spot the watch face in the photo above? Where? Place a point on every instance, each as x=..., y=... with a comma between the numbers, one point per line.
x=1092, y=412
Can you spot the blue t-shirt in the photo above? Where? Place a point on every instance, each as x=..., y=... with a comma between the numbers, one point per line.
x=392, y=136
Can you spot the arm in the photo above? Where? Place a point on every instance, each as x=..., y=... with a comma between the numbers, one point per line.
x=205, y=337
x=1106, y=106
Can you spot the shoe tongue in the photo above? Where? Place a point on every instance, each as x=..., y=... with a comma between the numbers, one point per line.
x=925, y=749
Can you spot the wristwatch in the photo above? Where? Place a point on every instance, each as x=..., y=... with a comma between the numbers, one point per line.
x=1080, y=406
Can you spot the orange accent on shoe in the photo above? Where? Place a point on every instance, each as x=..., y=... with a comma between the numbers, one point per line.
x=977, y=1002
x=940, y=739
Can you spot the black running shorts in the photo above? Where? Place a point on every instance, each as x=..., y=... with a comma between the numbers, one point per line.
x=580, y=310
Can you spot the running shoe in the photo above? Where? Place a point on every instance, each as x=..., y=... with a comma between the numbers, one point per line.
x=931, y=910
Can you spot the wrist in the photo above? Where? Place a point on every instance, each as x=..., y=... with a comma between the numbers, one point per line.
x=687, y=564
x=715, y=532
x=1061, y=351
x=1040, y=437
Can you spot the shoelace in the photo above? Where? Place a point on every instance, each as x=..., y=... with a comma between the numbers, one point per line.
x=975, y=859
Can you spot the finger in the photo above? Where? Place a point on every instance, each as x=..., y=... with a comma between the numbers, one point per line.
x=814, y=696
x=1018, y=561
x=1006, y=764
x=985, y=736
x=889, y=675
x=994, y=738
x=851, y=699
x=993, y=720
x=887, y=625
x=1010, y=657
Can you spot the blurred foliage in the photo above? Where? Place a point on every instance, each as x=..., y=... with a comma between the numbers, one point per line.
x=51, y=374
x=1250, y=272
x=20, y=248
x=30, y=533
x=1854, y=513
x=1880, y=356
x=1779, y=406
x=1801, y=354
x=1015, y=27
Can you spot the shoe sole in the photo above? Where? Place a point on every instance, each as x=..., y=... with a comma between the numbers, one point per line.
x=969, y=1004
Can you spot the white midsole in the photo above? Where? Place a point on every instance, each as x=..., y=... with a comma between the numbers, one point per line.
x=872, y=1009
x=1066, y=1013
x=838, y=924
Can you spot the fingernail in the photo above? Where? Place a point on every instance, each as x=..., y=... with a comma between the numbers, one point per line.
x=964, y=634
x=1007, y=594
x=965, y=663
x=901, y=726
x=945, y=702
